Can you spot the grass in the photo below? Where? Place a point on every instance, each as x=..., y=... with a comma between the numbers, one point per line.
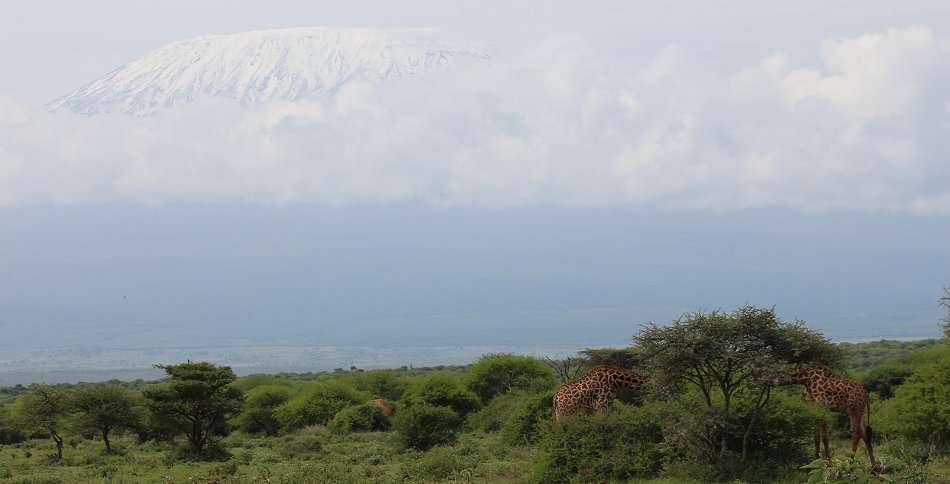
x=316, y=455
x=311, y=455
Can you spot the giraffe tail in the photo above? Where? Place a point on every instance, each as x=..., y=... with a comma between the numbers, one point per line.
x=867, y=429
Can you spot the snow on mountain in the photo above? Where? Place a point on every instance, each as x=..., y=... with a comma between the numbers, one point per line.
x=268, y=65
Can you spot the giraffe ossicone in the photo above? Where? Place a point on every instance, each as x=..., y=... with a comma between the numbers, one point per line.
x=594, y=391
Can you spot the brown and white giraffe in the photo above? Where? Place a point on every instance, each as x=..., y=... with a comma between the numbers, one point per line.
x=383, y=405
x=595, y=391
x=840, y=394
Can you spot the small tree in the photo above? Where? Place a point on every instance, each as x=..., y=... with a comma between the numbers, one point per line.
x=919, y=410
x=366, y=417
x=102, y=409
x=45, y=409
x=10, y=430
x=317, y=403
x=422, y=427
x=381, y=383
x=566, y=369
x=724, y=354
x=497, y=373
x=258, y=415
x=442, y=389
x=620, y=357
x=945, y=302
x=195, y=399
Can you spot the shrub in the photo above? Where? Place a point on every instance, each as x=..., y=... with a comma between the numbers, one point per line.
x=258, y=415
x=441, y=389
x=495, y=374
x=440, y=465
x=422, y=427
x=884, y=379
x=523, y=426
x=919, y=410
x=298, y=445
x=492, y=417
x=621, y=445
x=317, y=404
x=381, y=383
x=783, y=436
x=361, y=418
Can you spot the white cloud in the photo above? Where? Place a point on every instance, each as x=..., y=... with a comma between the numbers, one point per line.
x=559, y=123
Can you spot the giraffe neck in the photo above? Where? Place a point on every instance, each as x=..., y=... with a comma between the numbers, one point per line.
x=620, y=378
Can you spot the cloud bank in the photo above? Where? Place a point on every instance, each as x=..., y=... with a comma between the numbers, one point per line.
x=560, y=123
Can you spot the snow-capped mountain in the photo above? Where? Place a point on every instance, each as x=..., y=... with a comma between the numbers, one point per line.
x=268, y=65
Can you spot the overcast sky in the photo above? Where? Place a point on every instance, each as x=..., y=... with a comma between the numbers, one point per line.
x=815, y=106
x=639, y=159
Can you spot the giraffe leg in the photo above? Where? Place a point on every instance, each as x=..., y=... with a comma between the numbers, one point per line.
x=825, y=439
x=857, y=430
x=866, y=436
x=818, y=442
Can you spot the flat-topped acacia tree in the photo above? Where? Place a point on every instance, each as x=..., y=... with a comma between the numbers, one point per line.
x=195, y=399
x=723, y=354
x=102, y=409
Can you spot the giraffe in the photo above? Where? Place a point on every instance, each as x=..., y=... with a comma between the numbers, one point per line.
x=824, y=388
x=594, y=391
x=381, y=403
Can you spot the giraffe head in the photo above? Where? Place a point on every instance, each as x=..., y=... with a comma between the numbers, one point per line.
x=618, y=377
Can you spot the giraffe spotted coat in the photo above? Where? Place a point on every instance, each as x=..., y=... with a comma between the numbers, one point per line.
x=595, y=391
x=840, y=394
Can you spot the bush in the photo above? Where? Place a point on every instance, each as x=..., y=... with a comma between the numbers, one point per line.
x=381, y=383
x=492, y=417
x=361, y=418
x=298, y=445
x=442, y=390
x=884, y=379
x=422, y=427
x=258, y=414
x=317, y=404
x=621, y=445
x=783, y=436
x=523, y=427
x=495, y=374
x=441, y=464
x=919, y=411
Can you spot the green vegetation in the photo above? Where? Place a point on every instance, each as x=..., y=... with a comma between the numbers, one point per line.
x=195, y=400
x=705, y=416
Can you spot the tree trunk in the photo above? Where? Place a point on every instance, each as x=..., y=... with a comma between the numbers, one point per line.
x=724, y=435
x=105, y=438
x=59, y=445
x=767, y=392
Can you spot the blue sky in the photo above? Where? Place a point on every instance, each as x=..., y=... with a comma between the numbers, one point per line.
x=817, y=130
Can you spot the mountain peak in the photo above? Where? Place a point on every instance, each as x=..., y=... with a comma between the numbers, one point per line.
x=269, y=65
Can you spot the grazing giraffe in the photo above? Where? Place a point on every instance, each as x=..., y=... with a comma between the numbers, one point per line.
x=594, y=391
x=381, y=403
x=840, y=394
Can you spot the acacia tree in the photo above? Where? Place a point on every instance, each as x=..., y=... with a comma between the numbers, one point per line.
x=195, y=399
x=103, y=409
x=725, y=355
x=44, y=409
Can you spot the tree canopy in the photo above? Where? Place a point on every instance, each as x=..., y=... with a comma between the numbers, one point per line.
x=101, y=409
x=498, y=373
x=722, y=354
x=195, y=399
